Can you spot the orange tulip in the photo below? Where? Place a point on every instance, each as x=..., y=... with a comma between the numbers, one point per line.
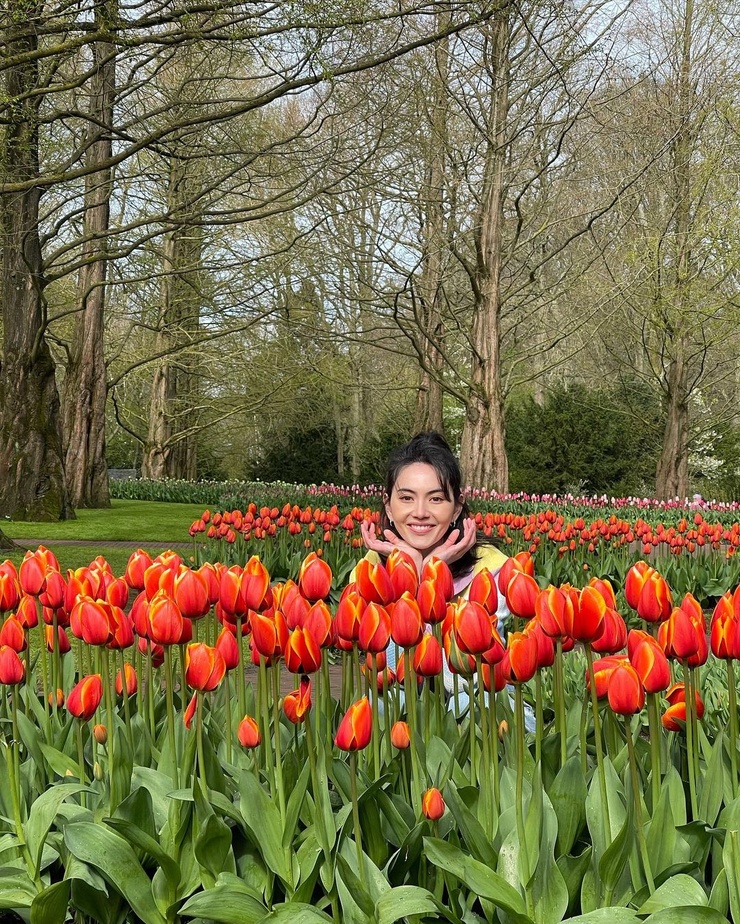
x=655, y=601
x=13, y=635
x=401, y=736
x=626, y=693
x=402, y=572
x=725, y=635
x=85, y=696
x=613, y=636
x=439, y=573
x=680, y=635
x=649, y=660
x=302, y=653
x=428, y=657
x=375, y=629
x=62, y=639
x=355, y=729
x=292, y=604
x=230, y=595
x=554, y=612
x=12, y=669
x=635, y=581
x=32, y=573
x=604, y=587
x=589, y=615
x=248, y=733
x=137, y=565
x=432, y=602
x=10, y=592
x=226, y=643
x=473, y=628
x=314, y=578
x=521, y=657
x=269, y=634
x=458, y=661
x=132, y=682
x=164, y=620
x=406, y=624
x=319, y=623
x=90, y=621
x=674, y=718
x=297, y=704
x=204, y=667
x=603, y=670
x=521, y=593
x=28, y=612
x=483, y=590
x=432, y=804
x=54, y=592
x=373, y=582
x=190, y=593
x=347, y=618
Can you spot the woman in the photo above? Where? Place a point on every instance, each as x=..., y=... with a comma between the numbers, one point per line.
x=425, y=515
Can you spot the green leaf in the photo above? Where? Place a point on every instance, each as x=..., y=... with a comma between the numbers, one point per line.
x=686, y=916
x=295, y=802
x=710, y=800
x=678, y=890
x=262, y=818
x=116, y=860
x=606, y=916
x=212, y=849
x=615, y=857
x=568, y=794
x=731, y=858
x=403, y=901
x=548, y=890
x=143, y=841
x=356, y=888
x=662, y=835
x=43, y=812
x=229, y=902
x=295, y=913
x=471, y=829
x=479, y=879
x=50, y=906
x=60, y=763
x=573, y=869
x=720, y=897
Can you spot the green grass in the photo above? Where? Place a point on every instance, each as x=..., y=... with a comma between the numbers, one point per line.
x=125, y=520
x=153, y=526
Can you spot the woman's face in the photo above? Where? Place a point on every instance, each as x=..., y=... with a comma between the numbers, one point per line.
x=419, y=508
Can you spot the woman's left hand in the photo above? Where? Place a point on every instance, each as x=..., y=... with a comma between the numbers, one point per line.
x=456, y=544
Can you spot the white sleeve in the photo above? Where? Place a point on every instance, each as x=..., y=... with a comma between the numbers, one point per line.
x=503, y=614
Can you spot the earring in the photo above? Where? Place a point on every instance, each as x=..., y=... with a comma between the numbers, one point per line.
x=392, y=524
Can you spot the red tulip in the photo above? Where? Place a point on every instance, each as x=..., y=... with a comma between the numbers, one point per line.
x=725, y=635
x=545, y=645
x=483, y=590
x=655, y=601
x=521, y=593
x=373, y=582
x=400, y=736
x=432, y=804
x=635, y=581
x=269, y=634
x=347, y=618
x=554, y=612
x=204, y=667
x=319, y=623
x=603, y=670
x=589, y=615
x=226, y=643
x=132, y=682
x=90, y=621
x=406, y=624
x=62, y=639
x=10, y=592
x=521, y=657
x=355, y=729
x=428, y=657
x=473, y=628
x=626, y=693
x=54, y=592
x=674, y=718
x=13, y=635
x=314, y=578
x=680, y=635
x=32, y=573
x=164, y=620
x=190, y=593
x=85, y=697
x=248, y=733
x=292, y=604
x=302, y=653
x=604, y=587
x=402, y=572
x=12, y=669
x=375, y=629
x=613, y=636
x=137, y=565
x=458, y=661
x=649, y=660
x=439, y=573
x=230, y=595
x=297, y=704
x=122, y=629
x=432, y=602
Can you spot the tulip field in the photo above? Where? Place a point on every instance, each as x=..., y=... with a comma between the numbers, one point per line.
x=582, y=767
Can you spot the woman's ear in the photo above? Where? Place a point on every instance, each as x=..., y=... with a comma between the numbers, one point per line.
x=387, y=506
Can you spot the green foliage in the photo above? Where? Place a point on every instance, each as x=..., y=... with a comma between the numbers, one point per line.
x=583, y=440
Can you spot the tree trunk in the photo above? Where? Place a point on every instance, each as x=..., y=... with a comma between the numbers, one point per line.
x=483, y=451
x=85, y=391
x=170, y=451
x=672, y=474
x=32, y=482
x=429, y=398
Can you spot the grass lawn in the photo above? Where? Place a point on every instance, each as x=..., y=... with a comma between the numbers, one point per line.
x=151, y=525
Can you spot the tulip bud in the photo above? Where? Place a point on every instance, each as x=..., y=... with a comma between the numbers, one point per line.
x=401, y=736
x=355, y=729
x=100, y=733
x=248, y=733
x=432, y=804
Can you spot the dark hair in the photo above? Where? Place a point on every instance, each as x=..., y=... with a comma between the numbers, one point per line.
x=431, y=449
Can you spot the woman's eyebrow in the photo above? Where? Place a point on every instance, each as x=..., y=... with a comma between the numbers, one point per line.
x=439, y=490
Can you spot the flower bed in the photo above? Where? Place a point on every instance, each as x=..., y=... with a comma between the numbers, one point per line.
x=147, y=780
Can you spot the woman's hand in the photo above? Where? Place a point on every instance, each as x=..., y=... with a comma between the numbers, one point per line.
x=384, y=546
x=456, y=544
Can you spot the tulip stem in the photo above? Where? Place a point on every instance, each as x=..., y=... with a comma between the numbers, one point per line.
x=199, y=741
x=266, y=743
x=486, y=746
x=409, y=682
x=126, y=705
x=171, y=714
x=558, y=695
x=690, y=709
x=376, y=714
x=519, y=798
x=227, y=711
x=278, y=743
x=111, y=730
x=44, y=672
x=597, y=742
x=656, y=772
x=150, y=691
x=241, y=690
x=493, y=716
x=539, y=719
x=356, y=817
x=638, y=806
x=732, y=701
x=81, y=759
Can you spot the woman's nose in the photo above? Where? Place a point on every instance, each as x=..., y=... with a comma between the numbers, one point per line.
x=420, y=507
